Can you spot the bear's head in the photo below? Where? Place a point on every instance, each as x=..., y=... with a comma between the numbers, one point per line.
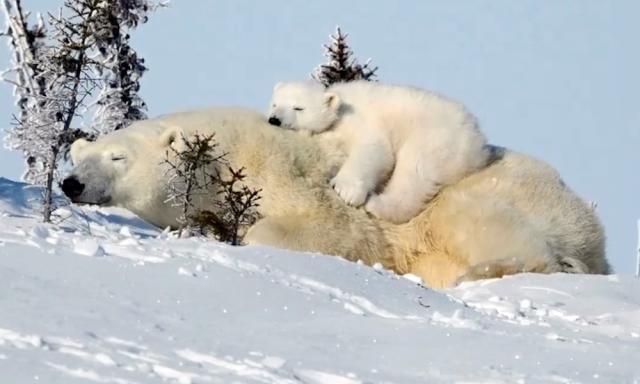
x=125, y=168
x=303, y=106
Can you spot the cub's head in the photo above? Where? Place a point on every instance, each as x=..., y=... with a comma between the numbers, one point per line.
x=125, y=168
x=303, y=106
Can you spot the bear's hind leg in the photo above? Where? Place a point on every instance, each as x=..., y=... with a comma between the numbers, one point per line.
x=366, y=166
x=512, y=266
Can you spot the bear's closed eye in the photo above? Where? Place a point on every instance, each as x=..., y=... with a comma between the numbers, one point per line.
x=118, y=157
x=298, y=109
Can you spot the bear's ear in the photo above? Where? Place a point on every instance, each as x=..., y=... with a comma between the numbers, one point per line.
x=76, y=147
x=278, y=85
x=332, y=100
x=170, y=136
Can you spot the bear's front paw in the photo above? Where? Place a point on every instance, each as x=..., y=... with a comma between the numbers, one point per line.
x=352, y=190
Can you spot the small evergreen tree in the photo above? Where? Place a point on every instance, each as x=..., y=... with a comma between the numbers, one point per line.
x=237, y=208
x=195, y=178
x=341, y=65
x=189, y=173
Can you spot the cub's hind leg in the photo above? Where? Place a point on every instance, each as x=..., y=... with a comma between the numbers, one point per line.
x=412, y=184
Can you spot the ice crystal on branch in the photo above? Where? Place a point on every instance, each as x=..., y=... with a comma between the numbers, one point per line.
x=341, y=65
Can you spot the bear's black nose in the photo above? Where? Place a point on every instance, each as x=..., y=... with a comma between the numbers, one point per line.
x=274, y=121
x=72, y=187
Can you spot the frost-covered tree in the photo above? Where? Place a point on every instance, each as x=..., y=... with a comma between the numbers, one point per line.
x=341, y=65
x=70, y=72
x=56, y=72
x=121, y=68
x=43, y=89
x=28, y=77
x=26, y=44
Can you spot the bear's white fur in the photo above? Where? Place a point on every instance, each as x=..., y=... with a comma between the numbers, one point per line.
x=516, y=215
x=417, y=140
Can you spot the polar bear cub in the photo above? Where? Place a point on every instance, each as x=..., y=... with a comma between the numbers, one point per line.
x=414, y=140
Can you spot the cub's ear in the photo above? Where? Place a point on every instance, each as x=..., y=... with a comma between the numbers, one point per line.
x=332, y=100
x=76, y=147
x=172, y=137
x=278, y=85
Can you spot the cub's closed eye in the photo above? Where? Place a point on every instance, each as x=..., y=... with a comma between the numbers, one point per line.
x=118, y=157
x=298, y=109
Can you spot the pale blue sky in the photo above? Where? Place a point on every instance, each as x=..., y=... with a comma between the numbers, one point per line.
x=558, y=80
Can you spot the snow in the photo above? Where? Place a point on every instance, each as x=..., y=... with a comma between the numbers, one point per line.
x=156, y=309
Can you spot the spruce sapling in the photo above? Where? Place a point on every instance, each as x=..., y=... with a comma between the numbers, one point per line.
x=341, y=65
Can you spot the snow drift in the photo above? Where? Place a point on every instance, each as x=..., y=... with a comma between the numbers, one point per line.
x=104, y=297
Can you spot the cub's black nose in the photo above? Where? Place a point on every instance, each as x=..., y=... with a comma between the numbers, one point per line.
x=275, y=121
x=72, y=187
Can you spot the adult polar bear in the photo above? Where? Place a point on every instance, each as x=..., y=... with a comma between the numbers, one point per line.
x=515, y=215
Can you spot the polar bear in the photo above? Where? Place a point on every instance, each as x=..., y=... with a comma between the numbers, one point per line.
x=422, y=140
x=515, y=215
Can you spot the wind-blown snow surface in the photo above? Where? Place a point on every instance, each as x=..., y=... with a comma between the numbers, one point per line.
x=104, y=297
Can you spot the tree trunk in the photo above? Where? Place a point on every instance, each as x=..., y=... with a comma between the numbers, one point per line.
x=74, y=103
x=47, y=198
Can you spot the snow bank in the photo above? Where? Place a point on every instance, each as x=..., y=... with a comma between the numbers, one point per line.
x=104, y=297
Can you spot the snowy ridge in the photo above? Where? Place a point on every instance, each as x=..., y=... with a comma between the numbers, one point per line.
x=104, y=297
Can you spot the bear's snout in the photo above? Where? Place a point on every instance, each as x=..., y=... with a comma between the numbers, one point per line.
x=274, y=121
x=72, y=187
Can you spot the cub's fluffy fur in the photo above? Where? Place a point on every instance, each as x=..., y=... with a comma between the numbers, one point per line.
x=415, y=141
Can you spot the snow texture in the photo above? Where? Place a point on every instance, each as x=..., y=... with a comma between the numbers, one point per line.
x=103, y=297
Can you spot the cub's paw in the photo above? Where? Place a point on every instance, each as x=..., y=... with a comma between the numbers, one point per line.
x=352, y=190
